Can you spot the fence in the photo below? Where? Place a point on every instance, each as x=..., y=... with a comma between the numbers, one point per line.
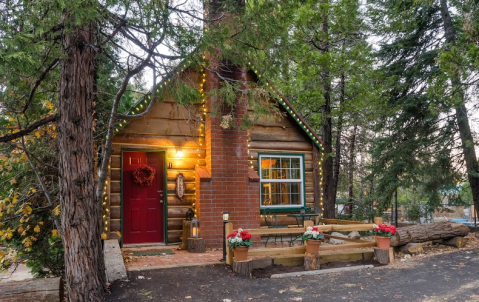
x=335, y=225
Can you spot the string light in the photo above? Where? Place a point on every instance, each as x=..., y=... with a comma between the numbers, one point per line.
x=105, y=206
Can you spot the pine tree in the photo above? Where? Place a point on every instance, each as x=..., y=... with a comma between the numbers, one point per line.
x=426, y=99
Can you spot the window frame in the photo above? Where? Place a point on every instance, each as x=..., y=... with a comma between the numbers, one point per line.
x=302, y=181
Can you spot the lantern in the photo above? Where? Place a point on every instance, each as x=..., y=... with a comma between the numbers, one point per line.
x=195, y=228
x=226, y=216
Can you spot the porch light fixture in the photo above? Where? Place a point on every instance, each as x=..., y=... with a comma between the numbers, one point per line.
x=179, y=152
x=226, y=216
x=195, y=228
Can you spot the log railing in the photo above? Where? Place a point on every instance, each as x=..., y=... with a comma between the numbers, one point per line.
x=285, y=251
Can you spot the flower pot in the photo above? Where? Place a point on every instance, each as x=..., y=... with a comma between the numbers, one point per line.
x=384, y=242
x=312, y=246
x=241, y=253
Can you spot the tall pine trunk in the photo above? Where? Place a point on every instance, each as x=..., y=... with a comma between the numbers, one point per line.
x=328, y=180
x=81, y=215
x=352, y=154
x=339, y=132
x=467, y=141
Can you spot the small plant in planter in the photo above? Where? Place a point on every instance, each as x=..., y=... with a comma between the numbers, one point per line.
x=239, y=238
x=383, y=233
x=240, y=241
x=312, y=233
x=313, y=237
x=384, y=230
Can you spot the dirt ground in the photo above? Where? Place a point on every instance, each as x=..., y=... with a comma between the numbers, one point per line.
x=471, y=241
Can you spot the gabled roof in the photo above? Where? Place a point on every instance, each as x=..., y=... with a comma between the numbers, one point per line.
x=278, y=97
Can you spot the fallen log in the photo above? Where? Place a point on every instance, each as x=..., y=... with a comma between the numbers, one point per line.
x=428, y=232
x=455, y=242
x=35, y=290
x=412, y=249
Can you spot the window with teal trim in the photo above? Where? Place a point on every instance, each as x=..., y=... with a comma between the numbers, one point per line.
x=281, y=180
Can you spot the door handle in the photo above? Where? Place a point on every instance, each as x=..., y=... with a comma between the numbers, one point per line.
x=161, y=201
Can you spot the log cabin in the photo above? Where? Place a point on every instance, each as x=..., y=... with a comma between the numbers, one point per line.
x=206, y=161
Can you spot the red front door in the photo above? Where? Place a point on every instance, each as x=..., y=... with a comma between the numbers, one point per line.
x=143, y=206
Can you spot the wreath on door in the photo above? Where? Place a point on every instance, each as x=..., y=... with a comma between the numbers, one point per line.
x=144, y=175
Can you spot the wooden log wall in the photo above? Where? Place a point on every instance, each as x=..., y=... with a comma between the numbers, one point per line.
x=166, y=127
x=283, y=135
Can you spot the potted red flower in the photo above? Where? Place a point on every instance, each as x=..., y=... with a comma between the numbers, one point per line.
x=313, y=237
x=383, y=233
x=240, y=241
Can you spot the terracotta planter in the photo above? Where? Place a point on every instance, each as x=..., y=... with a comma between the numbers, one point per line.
x=312, y=246
x=384, y=242
x=241, y=253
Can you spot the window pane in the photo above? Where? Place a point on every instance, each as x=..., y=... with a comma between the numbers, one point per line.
x=265, y=167
x=282, y=193
x=295, y=174
x=266, y=194
x=295, y=162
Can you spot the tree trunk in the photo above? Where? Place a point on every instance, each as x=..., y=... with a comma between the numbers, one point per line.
x=196, y=245
x=462, y=120
x=339, y=130
x=352, y=153
x=243, y=267
x=80, y=214
x=428, y=232
x=312, y=261
x=328, y=180
x=384, y=256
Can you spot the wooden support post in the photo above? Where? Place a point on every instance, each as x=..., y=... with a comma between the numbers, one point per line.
x=308, y=223
x=244, y=267
x=48, y=290
x=378, y=220
x=196, y=245
x=229, y=253
x=311, y=261
x=185, y=234
x=384, y=256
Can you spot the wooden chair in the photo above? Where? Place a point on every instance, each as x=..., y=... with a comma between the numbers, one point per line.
x=272, y=223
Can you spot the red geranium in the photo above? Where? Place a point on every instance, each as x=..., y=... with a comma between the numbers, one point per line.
x=384, y=230
x=239, y=238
